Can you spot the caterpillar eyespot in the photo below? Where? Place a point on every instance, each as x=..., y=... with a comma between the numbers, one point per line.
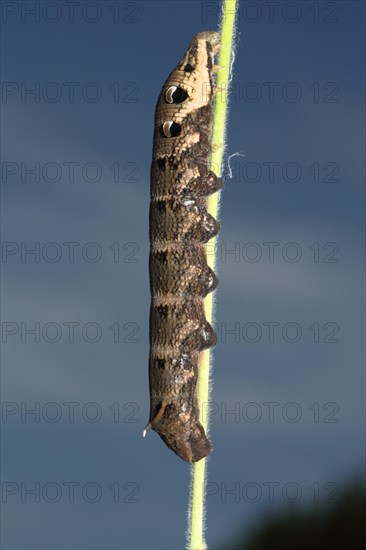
x=181, y=181
x=175, y=95
x=171, y=129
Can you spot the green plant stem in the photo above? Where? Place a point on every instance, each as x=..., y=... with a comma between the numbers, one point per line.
x=197, y=506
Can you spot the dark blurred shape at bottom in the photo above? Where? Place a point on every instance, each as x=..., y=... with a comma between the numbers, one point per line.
x=316, y=527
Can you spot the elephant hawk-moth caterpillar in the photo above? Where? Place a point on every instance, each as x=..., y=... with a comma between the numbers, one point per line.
x=180, y=225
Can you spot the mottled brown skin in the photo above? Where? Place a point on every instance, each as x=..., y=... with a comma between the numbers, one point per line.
x=180, y=226
x=194, y=276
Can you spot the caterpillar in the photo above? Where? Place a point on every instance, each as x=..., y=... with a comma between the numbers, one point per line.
x=180, y=225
